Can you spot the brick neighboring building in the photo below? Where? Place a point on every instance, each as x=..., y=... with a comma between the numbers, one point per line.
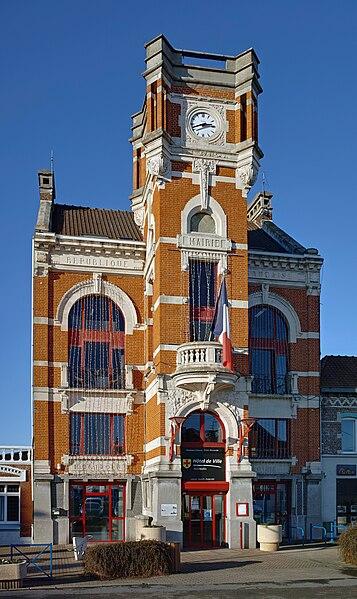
x=339, y=438
x=135, y=415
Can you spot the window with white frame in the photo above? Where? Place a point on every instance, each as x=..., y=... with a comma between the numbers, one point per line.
x=349, y=434
x=9, y=503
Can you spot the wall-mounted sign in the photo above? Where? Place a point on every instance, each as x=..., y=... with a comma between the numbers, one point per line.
x=169, y=509
x=202, y=463
x=346, y=470
x=242, y=508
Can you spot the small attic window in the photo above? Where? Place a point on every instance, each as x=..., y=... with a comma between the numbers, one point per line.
x=202, y=222
x=45, y=181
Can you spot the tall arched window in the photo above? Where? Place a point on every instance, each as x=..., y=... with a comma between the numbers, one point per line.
x=268, y=350
x=96, y=344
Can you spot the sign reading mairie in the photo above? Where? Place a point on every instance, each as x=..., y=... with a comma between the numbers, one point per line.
x=202, y=463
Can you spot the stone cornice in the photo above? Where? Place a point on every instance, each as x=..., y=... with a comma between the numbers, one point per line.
x=288, y=270
x=61, y=252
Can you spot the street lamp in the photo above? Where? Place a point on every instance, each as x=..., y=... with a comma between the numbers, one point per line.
x=246, y=426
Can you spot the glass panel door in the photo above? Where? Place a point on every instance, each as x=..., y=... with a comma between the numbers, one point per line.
x=195, y=518
x=219, y=520
x=96, y=517
x=207, y=519
x=282, y=507
x=203, y=520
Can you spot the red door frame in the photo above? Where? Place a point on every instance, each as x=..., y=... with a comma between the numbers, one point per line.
x=108, y=494
x=202, y=494
x=274, y=483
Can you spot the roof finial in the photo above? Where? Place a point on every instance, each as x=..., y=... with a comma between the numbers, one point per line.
x=52, y=161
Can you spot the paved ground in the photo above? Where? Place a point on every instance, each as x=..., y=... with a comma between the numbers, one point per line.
x=297, y=573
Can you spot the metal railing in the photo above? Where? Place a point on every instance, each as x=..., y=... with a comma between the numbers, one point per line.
x=99, y=378
x=269, y=385
x=32, y=560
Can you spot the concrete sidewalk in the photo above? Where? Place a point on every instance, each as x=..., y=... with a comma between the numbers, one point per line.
x=223, y=570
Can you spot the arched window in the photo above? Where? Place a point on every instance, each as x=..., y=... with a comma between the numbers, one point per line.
x=202, y=222
x=96, y=344
x=203, y=290
x=268, y=350
x=202, y=427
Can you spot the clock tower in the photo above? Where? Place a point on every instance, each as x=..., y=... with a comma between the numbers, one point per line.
x=195, y=158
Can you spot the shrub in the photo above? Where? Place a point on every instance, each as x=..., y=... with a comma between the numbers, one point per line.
x=348, y=545
x=132, y=558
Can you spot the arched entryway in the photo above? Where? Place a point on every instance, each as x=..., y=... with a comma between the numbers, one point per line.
x=204, y=485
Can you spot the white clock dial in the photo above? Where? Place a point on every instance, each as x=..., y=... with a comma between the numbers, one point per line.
x=203, y=124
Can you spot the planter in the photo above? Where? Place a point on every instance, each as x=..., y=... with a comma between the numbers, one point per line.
x=153, y=533
x=12, y=575
x=269, y=536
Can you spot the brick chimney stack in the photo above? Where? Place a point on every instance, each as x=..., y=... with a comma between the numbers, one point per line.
x=46, y=181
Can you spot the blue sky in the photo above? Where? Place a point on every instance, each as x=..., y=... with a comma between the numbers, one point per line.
x=71, y=78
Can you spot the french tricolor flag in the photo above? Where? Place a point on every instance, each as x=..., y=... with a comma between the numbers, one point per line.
x=220, y=326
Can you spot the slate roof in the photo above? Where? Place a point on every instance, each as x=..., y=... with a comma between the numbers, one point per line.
x=339, y=372
x=78, y=221
x=258, y=239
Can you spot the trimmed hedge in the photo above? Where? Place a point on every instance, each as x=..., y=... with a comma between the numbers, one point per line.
x=131, y=558
x=347, y=542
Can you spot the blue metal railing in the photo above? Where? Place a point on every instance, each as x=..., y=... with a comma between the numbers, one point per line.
x=312, y=526
x=33, y=560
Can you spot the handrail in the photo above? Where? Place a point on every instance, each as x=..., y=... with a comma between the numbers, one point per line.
x=322, y=528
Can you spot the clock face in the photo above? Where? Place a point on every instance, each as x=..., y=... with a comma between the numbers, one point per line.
x=203, y=124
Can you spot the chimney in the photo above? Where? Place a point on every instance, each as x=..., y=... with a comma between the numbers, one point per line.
x=260, y=208
x=46, y=181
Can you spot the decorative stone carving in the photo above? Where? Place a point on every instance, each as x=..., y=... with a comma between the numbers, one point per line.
x=177, y=398
x=139, y=217
x=205, y=394
x=219, y=257
x=97, y=279
x=160, y=167
x=265, y=292
x=41, y=264
x=204, y=167
x=248, y=174
x=97, y=466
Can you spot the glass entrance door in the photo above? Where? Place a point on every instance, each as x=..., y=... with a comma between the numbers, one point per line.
x=203, y=520
x=98, y=510
x=271, y=503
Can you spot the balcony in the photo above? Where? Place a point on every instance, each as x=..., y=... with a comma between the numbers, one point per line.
x=200, y=363
x=275, y=385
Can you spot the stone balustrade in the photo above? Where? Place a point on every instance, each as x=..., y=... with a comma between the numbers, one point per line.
x=205, y=354
x=15, y=454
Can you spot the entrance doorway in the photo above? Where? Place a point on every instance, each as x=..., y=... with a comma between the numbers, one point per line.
x=203, y=519
x=271, y=502
x=98, y=510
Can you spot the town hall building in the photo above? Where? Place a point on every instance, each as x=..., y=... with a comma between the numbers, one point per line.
x=135, y=415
